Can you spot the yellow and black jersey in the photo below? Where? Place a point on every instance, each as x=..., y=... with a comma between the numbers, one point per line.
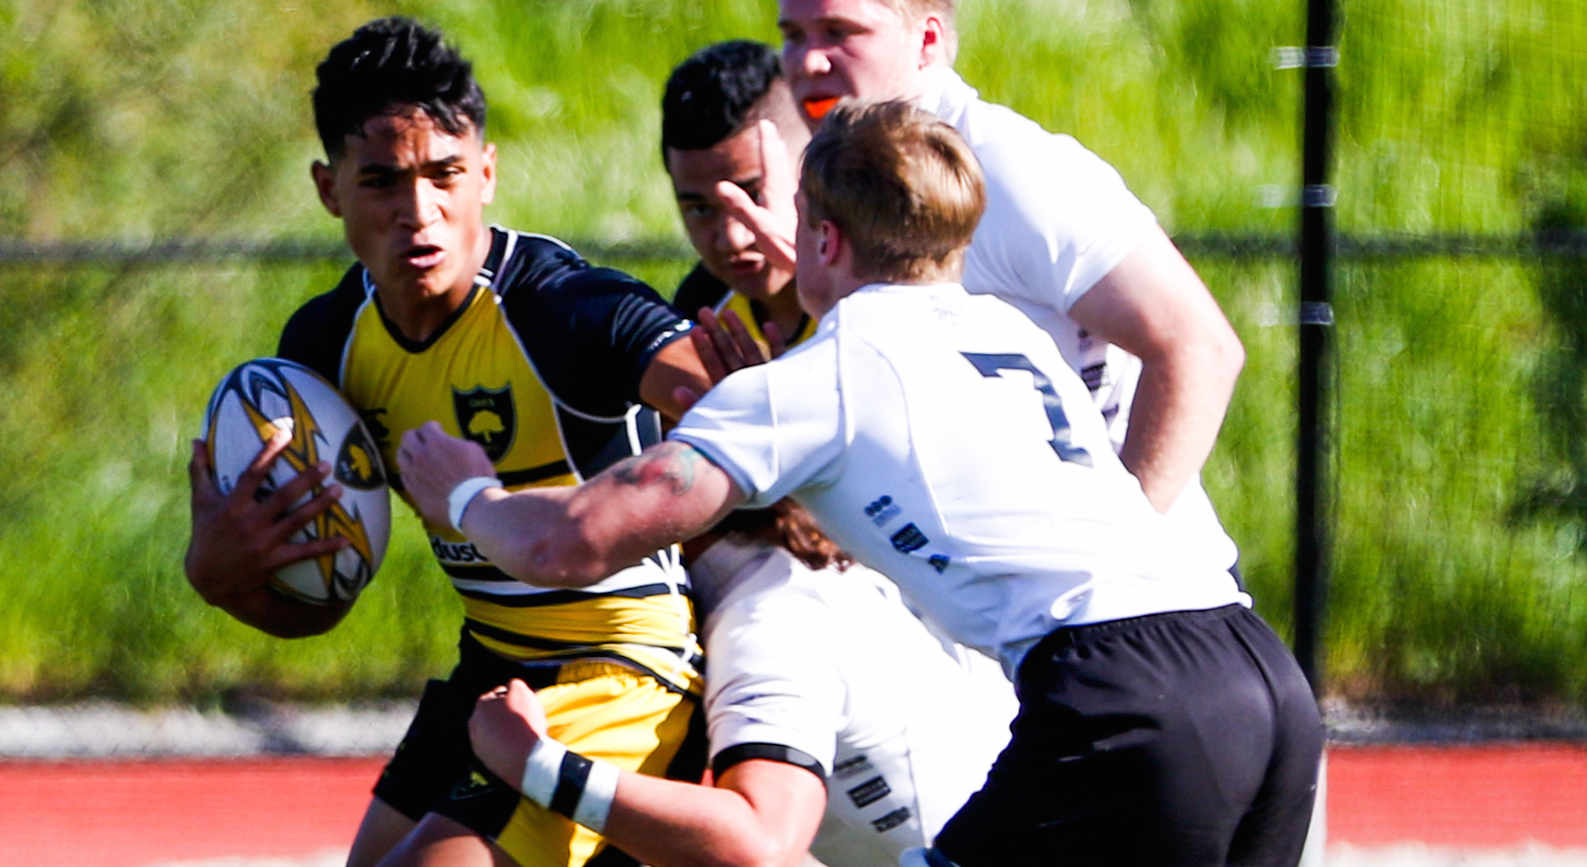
x=540, y=366
x=701, y=288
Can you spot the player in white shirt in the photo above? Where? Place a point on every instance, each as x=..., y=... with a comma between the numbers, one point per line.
x=940, y=438
x=823, y=668
x=1062, y=238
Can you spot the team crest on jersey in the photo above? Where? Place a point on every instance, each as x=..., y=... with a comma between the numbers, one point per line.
x=486, y=416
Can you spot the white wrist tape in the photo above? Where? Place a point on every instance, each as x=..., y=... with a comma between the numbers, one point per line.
x=565, y=782
x=542, y=771
x=465, y=492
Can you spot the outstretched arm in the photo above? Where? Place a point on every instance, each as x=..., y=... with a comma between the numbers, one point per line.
x=1154, y=306
x=570, y=536
x=761, y=813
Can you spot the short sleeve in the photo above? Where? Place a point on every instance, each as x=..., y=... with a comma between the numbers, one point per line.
x=1058, y=219
x=317, y=333
x=772, y=681
x=774, y=428
x=592, y=333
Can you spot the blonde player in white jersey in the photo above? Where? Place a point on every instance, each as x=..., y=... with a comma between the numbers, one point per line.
x=1063, y=239
x=1161, y=722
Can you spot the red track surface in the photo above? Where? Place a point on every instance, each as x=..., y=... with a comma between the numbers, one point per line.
x=123, y=814
x=129, y=814
x=1488, y=797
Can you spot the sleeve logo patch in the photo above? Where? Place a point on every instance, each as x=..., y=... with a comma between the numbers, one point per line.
x=870, y=791
x=852, y=767
x=892, y=820
x=882, y=510
x=909, y=539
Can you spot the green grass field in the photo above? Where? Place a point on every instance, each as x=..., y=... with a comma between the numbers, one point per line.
x=1462, y=474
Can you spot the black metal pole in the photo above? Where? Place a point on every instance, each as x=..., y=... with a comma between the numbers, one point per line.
x=1312, y=537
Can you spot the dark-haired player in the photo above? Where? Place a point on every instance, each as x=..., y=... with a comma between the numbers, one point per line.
x=727, y=113
x=513, y=341
x=941, y=438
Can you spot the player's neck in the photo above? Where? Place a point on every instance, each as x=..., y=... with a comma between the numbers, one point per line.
x=783, y=310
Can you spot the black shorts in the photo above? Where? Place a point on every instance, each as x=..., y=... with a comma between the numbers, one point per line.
x=1186, y=738
x=654, y=728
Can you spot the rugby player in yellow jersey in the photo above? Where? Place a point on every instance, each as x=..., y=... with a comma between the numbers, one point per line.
x=515, y=342
x=726, y=113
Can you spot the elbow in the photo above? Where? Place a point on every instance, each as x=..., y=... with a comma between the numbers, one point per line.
x=1229, y=353
x=755, y=852
x=567, y=558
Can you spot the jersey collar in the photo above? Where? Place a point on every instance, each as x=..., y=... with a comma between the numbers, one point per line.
x=501, y=246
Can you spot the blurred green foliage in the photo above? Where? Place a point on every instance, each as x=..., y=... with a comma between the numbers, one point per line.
x=1462, y=478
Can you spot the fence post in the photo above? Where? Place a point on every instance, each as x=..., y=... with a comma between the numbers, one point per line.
x=1313, y=447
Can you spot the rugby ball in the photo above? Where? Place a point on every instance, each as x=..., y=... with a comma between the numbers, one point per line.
x=265, y=395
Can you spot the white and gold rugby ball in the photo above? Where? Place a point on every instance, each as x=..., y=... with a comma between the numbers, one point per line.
x=268, y=394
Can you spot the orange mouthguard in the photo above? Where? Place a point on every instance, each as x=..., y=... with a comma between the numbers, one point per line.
x=818, y=108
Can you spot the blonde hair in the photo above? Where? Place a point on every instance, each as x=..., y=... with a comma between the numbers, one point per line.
x=901, y=185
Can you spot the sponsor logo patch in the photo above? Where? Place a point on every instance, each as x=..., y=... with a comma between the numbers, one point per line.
x=455, y=552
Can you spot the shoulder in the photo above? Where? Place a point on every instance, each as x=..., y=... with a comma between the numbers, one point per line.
x=542, y=275
x=590, y=332
x=316, y=334
x=774, y=588
x=699, y=289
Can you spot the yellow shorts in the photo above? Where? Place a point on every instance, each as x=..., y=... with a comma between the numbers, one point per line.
x=602, y=710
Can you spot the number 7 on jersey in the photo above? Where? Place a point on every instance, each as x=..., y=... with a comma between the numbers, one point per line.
x=993, y=364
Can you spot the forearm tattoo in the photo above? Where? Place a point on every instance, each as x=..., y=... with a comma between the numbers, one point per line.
x=672, y=463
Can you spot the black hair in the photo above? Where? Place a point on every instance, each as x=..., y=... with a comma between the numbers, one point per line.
x=390, y=64
x=709, y=96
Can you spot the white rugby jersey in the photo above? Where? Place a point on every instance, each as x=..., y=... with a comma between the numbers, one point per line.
x=1058, y=219
x=832, y=665
x=940, y=438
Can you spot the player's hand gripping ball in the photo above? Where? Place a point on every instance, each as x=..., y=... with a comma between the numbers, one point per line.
x=265, y=395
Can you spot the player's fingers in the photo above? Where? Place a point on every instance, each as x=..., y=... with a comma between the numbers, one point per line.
x=685, y=397
x=775, y=344
x=282, y=556
x=248, y=483
x=775, y=167
x=291, y=522
x=744, y=346
x=203, y=487
x=721, y=335
x=283, y=497
x=521, y=697
x=705, y=346
x=761, y=222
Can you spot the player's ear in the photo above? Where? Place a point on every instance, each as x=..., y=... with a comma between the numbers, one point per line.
x=325, y=184
x=830, y=244
x=487, y=167
x=933, y=41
